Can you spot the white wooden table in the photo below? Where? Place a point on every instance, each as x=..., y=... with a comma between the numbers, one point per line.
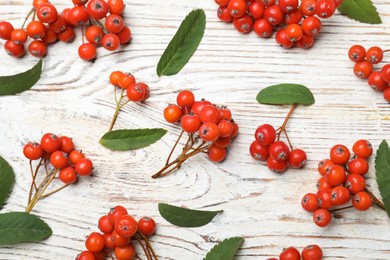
x=74, y=98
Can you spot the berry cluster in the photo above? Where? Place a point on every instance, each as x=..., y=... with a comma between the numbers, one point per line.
x=135, y=91
x=276, y=153
x=310, y=252
x=364, y=68
x=58, y=157
x=119, y=229
x=265, y=16
x=51, y=26
x=203, y=121
x=342, y=179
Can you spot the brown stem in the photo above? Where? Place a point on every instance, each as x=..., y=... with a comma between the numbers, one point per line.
x=174, y=146
x=117, y=109
x=147, y=253
x=376, y=201
x=34, y=176
x=148, y=245
x=53, y=191
x=339, y=209
x=282, y=128
x=28, y=15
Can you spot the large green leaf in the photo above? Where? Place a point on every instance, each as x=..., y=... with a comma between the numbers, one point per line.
x=130, y=139
x=7, y=178
x=18, y=227
x=184, y=217
x=225, y=250
x=17, y=83
x=285, y=94
x=382, y=168
x=183, y=44
x=361, y=10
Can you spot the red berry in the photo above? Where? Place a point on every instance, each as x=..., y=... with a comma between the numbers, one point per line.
x=68, y=175
x=363, y=69
x=336, y=176
x=216, y=154
x=376, y=82
x=274, y=15
x=236, y=8
x=258, y=151
x=47, y=13
x=209, y=131
x=355, y=183
x=50, y=142
x=95, y=242
x=265, y=134
x=172, y=113
x=279, y=151
x=185, y=98
x=340, y=195
x=339, y=154
x=357, y=53
x=362, y=148
x=374, y=55
x=94, y=34
x=126, y=226
x=13, y=49
x=282, y=40
x=114, y=23
x=33, y=151
x=59, y=159
x=325, y=8
x=297, y=158
x=210, y=113
x=105, y=224
x=290, y=253
x=324, y=197
x=358, y=165
x=310, y=202
x=312, y=252
x=6, y=29
x=111, y=42
x=190, y=123
x=97, y=9
x=115, y=213
x=263, y=28
x=125, y=252
x=276, y=166
x=385, y=73
x=146, y=226
x=84, y=167
x=243, y=24
x=362, y=201
x=322, y=217
x=224, y=15
x=256, y=10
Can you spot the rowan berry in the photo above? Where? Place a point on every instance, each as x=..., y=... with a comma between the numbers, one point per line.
x=58, y=25
x=199, y=105
x=339, y=154
x=124, y=35
x=77, y=15
x=386, y=94
x=126, y=226
x=235, y=129
x=324, y=197
x=94, y=34
x=362, y=201
x=115, y=76
x=336, y=176
x=310, y=202
x=290, y=253
x=190, y=123
x=294, y=32
x=363, y=69
x=282, y=40
x=116, y=6
x=355, y=183
x=32, y=151
x=6, y=29
x=256, y=10
x=172, y=113
x=308, y=7
x=125, y=80
x=312, y=252
x=288, y=6
x=37, y=48
x=210, y=113
x=376, y=82
x=146, y=226
x=358, y=165
x=311, y=25
x=322, y=217
x=226, y=114
x=115, y=213
x=267, y=2
x=68, y=175
x=185, y=98
x=385, y=73
x=37, y=3
x=50, y=37
x=46, y=13
x=86, y=255
x=322, y=184
x=209, y=131
x=110, y=42
x=225, y=128
x=274, y=15
x=97, y=9
x=374, y=55
x=279, y=151
x=222, y=2
x=84, y=167
x=294, y=17
x=119, y=240
x=223, y=142
x=324, y=166
x=325, y=8
x=137, y=92
x=265, y=134
x=224, y=15
x=19, y=36
x=109, y=241
x=67, y=35
x=95, y=242
x=357, y=53
x=243, y=24
x=263, y=28
x=236, y=8
x=114, y=23
x=306, y=42
x=340, y=195
x=13, y=49
x=59, y=159
x=276, y=166
x=75, y=156
x=258, y=151
x=125, y=252
x=105, y=225
x=79, y=2
x=50, y=142
x=216, y=154
x=87, y=51
x=362, y=148
x=297, y=158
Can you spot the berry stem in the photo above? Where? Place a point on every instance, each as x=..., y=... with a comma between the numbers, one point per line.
x=117, y=109
x=376, y=201
x=282, y=128
x=343, y=208
x=148, y=245
x=147, y=253
x=53, y=191
x=28, y=15
x=33, y=183
x=174, y=147
x=32, y=176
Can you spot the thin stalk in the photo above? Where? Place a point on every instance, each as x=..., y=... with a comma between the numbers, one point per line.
x=147, y=253
x=28, y=15
x=53, y=191
x=34, y=176
x=282, y=128
x=148, y=245
x=174, y=147
x=343, y=208
x=117, y=109
x=376, y=201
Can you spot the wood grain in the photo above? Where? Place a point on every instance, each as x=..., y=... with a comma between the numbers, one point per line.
x=74, y=98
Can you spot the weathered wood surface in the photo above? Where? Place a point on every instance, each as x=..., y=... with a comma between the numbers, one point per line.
x=74, y=98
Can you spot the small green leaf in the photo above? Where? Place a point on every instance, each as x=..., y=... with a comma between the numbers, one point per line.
x=382, y=168
x=285, y=94
x=17, y=83
x=131, y=139
x=183, y=217
x=18, y=227
x=360, y=10
x=183, y=44
x=7, y=178
x=225, y=250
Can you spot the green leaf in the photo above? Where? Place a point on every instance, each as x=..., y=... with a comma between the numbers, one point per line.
x=361, y=10
x=183, y=217
x=131, y=139
x=7, y=178
x=183, y=44
x=382, y=168
x=285, y=94
x=18, y=227
x=225, y=250
x=17, y=83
